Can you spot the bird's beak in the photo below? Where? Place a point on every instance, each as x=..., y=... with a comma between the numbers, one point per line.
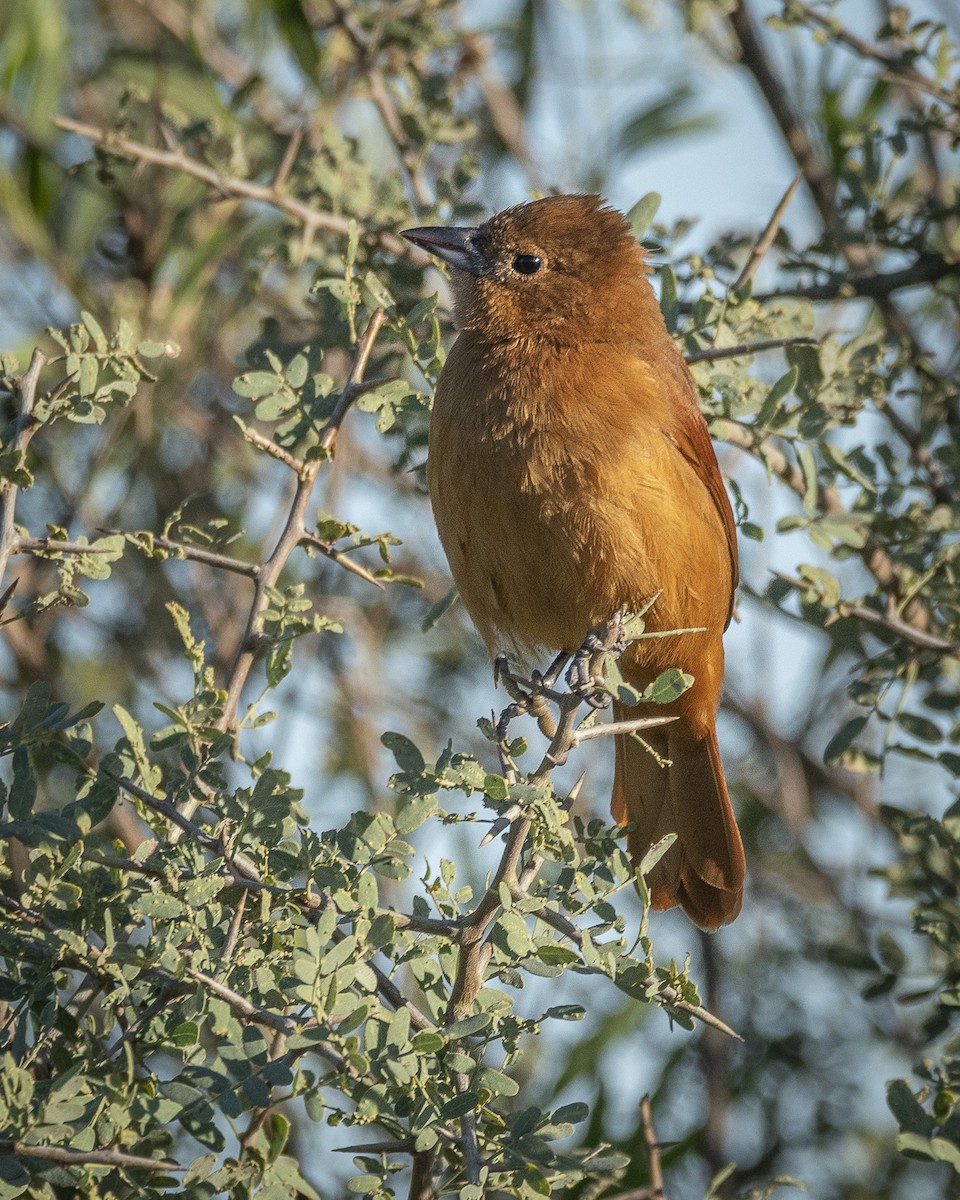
x=454, y=245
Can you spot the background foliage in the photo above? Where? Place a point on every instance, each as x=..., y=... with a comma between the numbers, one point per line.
x=251, y=945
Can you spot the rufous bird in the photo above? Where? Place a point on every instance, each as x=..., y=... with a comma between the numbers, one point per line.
x=571, y=473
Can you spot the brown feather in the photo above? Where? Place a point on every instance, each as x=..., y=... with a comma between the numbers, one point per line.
x=571, y=472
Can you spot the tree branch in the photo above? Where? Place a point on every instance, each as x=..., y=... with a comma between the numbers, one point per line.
x=294, y=530
x=928, y=268
x=67, y=1157
x=712, y=353
x=311, y=218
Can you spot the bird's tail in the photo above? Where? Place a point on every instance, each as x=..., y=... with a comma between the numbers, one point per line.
x=682, y=793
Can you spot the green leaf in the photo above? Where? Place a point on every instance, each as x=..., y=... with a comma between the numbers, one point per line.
x=437, y=611
x=909, y=1112
x=915, y=1145
x=571, y=1114
x=467, y=1026
x=843, y=738
x=496, y=1082
x=921, y=728
x=669, y=304
x=655, y=853
x=256, y=383
x=460, y=1105
x=413, y=812
x=617, y=686
x=668, y=686
x=783, y=387
x=808, y=468
x=99, y=338
x=296, y=372
x=87, y=383
x=428, y=1042
x=23, y=789
x=404, y=751
x=640, y=217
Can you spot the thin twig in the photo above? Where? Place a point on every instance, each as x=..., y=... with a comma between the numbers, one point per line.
x=209, y=558
x=672, y=997
x=240, y=1004
x=383, y=101
x=925, y=641
x=43, y=546
x=766, y=238
x=355, y=387
x=712, y=353
x=653, y=1149
x=233, y=934
x=275, y=451
x=338, y=556
x=264, y=1016
x=754, y=57
x=610, y=728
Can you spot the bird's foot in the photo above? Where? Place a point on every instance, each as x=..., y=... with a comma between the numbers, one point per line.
x=549, y=677
x=582, y=677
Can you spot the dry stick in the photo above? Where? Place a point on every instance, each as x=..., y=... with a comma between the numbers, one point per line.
x=615, y=727
x=506, y=115
x=25, y=427
x=765, y=240
x=311, y=218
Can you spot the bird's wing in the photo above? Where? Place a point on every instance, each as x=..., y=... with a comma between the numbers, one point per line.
x=689, y=431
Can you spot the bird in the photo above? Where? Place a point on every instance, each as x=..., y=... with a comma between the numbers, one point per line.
x=571, y=473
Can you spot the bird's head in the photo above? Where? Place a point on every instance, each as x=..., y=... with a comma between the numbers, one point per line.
x=565, y=268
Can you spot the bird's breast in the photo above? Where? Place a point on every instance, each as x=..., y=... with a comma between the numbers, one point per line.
x=554, y=499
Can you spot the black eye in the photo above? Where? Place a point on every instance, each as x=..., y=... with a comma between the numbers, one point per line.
x=527, y=264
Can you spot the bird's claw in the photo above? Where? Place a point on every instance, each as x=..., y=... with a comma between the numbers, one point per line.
x=582, y=680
